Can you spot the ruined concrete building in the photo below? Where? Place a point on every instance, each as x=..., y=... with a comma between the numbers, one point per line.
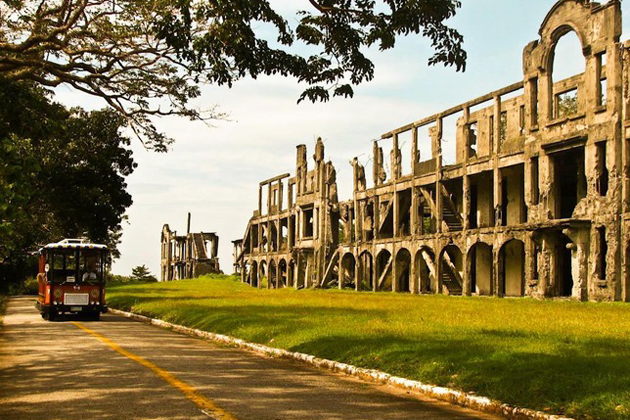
x=536, y=202
x=188, y=256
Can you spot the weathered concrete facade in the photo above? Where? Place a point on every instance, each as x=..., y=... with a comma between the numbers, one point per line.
x=188, y=256
x=536, y=202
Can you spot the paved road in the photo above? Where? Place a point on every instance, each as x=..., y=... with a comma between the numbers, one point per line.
x=123, y=369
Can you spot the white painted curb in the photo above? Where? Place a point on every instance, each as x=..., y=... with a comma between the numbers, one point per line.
x=440, y=393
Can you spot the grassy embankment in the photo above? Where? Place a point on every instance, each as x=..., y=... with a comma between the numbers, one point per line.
x=562, y=357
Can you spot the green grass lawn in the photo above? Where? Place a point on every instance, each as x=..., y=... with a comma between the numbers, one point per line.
x=561, y=357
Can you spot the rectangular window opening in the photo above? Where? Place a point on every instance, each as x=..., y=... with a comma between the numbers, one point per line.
x=308, y=223
x=473, y=132
x=603, y=251
x=602, y=170
x=602, y=82
x=534, y=101
x=566, y=103
x=521, y=119
x=535, y=182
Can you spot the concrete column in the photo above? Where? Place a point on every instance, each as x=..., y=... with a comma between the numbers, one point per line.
x=394, y=158
x=414, y=219
x=413, y=278
x=466, y=289
x=498, y=270
x=396, y=210
x=268, y=198
x=341, y=273
x=377, y=216
x=374, y=270
x=437, y=282
x=375, y=163
x=415, y=154
x=438, y=190
x=496, y=181
x=357, y=272
x=466, y=181
x=395, y=273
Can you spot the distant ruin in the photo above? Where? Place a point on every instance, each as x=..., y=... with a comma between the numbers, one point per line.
x=188, y=256
x=536, y=203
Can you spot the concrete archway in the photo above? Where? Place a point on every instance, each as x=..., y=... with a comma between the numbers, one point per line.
x=262, y=273
x=383, y=278
x=480, y=269
x=272, y=280
x=425, y=270
x=348, y=271
x=366, y=271
x=451, y=270
x=403, y=270
x=253, y=274
x=512, y=268
x=282, y=274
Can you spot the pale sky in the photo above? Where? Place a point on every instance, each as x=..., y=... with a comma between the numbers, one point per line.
x=213, y=172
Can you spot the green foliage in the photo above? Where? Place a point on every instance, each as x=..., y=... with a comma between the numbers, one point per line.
x=117, y=278
x=142, y=273
x=129, y=52
x=567, y=104
x=30, y=286
x=569, y=358
x=62, y=174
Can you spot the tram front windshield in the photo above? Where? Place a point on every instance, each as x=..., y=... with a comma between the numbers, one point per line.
x=75, y=266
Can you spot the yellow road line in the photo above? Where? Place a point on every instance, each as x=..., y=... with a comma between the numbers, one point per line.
x=205, y=404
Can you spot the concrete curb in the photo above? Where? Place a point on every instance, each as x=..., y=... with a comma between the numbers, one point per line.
x=440, y=393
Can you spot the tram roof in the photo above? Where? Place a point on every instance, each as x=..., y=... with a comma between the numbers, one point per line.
x=74, y=244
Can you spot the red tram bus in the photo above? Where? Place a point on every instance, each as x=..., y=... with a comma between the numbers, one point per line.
x=72, y=279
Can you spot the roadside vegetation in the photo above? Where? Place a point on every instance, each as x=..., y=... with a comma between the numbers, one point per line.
x=560, y=357
x=3, y=307
x=139, y=274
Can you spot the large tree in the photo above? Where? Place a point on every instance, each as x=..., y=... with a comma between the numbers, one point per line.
x=62, y=173
x=147, y=57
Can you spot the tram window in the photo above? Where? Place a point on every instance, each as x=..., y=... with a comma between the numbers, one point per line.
x=71, y=267
x=90, y=266
x=58, y=271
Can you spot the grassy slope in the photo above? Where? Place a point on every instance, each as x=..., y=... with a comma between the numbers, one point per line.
x=562, y=357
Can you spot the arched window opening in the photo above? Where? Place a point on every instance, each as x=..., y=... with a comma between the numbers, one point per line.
x=282, y=274
x=451, y=277
x=512, y=268
x=366, y=273
x=568, y=66
x=403, y=269
x=480, y=269
x=348, y=268
x=384, y=270
x=425, y=270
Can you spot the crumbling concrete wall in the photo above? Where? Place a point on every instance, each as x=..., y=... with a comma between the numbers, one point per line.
x=536, y=203
x=188, y=256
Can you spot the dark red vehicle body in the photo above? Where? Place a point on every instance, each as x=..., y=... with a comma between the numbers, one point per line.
x=72, y=279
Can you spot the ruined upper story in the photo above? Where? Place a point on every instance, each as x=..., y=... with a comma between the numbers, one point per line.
x=538, y=111
x=527, y=123
x=192, y=246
